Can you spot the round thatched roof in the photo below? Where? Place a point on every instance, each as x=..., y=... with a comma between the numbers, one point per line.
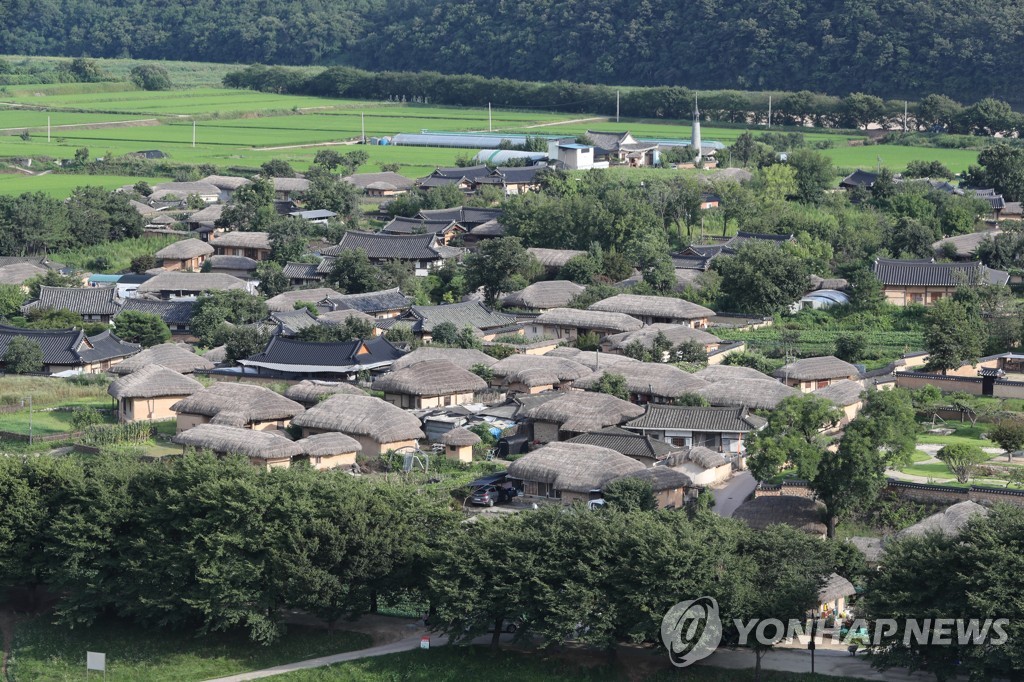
x=217, y=355
x=430, y=378
x=648, y=378
x=583, y=412
x=466, y=358
x=595, y=360
x=713, y=373
x=460, y=437
x=573, y=467
x=248, y=442
x=836, y=587
x=589, y=319
x=310, y=392
x=841, y=393
x=811, y=369
x=538, y=370
x=174, y=356
x=674, y=333
x=153, y=381
x=339, y=317
x=233, y=404
x=757, y=394
x=327, y=444
x=949, y=522
x=799, y=512
x=362, y=415
x=653, y=306
x=184, y=249
x=543, y=295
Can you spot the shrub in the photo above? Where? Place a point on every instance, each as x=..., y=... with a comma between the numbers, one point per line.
x=85, y=417
x=23, y=356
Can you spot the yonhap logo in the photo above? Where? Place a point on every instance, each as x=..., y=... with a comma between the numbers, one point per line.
x=691, y=630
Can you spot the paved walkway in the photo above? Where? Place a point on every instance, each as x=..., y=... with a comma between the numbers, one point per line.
x=405, y=644
x=932, y=449
x=832, y=663
x=733, y=493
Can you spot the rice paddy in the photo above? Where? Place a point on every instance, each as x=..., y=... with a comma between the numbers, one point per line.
x=241, y=129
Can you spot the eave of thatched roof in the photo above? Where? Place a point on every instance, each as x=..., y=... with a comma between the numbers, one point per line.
x=153, y=381
x=232, y=440
x=430, y=378
x=573, y=467
x=362, y=415
x=466, y=358
x=594, y=360
x=811, y=369
x=328, y=444
x=714, y=373
x=313, y=391
x=460, y=437
x=184, y=249
x=582, y=412
x=174, y=356
x=233, y=403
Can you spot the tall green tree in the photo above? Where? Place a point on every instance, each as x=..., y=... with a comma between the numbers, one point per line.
x=793, y=436
x=23, y=355
x=499, y=266
x=953, y=335
x=762, y=278
x=145, y=329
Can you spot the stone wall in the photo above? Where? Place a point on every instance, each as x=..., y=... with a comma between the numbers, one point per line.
x=915, y=492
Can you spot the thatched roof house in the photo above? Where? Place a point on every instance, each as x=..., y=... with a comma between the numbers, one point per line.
x=756, y=394
x=430, y=383
x=808, y=374
x=536, y=373
x=466, y=358
x=187, y=254
x=834, y=593
x=671, y=487
x=594, y=360
x=340, y=317
x=576, y=413
x=652, y=309
x=799, y=512
x=842, y=393
x=148, y=393
x=650, y=381
x=704, y=466
x=541, y=296
x=377, y=425
x=286, y=301
x=178, y=357
x=263, y=448
x=240, y=405
x=570, y=471
x=181, y=284
x=458, y=444
x=329, y=450
x=217, y=355
x=675, y=334
x=569, y=323
x=311, y=391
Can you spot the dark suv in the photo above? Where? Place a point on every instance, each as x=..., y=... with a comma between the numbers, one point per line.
x=491, y=495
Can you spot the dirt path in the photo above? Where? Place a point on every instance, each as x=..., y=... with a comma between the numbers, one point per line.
x=131, y=123
x=305, y=146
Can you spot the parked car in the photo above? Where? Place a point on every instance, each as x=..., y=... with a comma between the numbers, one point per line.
x=491, y=495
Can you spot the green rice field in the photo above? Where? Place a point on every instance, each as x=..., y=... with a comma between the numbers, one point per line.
x=242, y=129
x=62, y=185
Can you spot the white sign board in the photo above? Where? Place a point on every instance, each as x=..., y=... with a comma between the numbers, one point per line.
x=95, y=661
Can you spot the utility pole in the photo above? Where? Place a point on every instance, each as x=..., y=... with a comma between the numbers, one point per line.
x=769, y=112
x=362, y=120
x=193, y=132
x=616, y=106
x=47, y=128
x=490, y=127
x=904, y=117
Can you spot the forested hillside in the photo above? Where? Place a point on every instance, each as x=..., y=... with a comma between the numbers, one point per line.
x=893, y=49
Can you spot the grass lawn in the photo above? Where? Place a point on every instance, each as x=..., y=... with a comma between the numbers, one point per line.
x=43, y=651
x=51, y=391
x=965, y=435
x=936, y=470
x=44, y=423
x=455, y=664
